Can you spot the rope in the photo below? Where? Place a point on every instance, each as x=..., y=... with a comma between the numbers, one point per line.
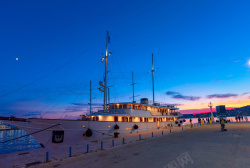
x=30, y=134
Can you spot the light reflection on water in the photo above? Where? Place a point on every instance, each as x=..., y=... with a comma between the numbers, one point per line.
x=22, y=144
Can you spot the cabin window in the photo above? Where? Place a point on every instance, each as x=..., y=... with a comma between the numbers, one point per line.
x=124, y=119
x=157, y=119
x=154, y=119
x=116, y=119
x=116, y=106
x=141, y=119
x=145, y=119
x=129, y=106
x=97, y=118
x=124, y=106
x=93, y=118
x=130, y=119
x=120, y=106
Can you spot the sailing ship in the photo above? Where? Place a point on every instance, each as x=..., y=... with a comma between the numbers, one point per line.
x=115, y=118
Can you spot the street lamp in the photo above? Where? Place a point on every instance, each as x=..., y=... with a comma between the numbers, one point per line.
x=211, y=109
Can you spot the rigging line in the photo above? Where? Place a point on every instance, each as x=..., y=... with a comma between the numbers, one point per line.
x=67, y=89
x=48, y=74
x=73, y=101
x=64, y=113
x=30, y=133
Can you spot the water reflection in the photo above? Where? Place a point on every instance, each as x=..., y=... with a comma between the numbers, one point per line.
x=22, y=144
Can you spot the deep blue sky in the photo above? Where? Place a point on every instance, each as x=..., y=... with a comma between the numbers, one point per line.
x=201, y=48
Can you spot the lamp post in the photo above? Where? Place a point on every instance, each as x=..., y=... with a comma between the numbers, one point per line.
x=211, y=109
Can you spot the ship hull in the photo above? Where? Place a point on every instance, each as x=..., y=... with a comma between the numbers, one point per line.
x=74, y=131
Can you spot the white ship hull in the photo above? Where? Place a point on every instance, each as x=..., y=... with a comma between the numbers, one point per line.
x=74, y=129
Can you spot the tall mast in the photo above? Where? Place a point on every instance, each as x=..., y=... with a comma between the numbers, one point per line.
x=105, y=76
x=133, y=84
x=90, y=99
x=153, y=70
x=104, y=86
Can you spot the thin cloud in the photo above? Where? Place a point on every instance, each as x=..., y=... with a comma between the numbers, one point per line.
x=84, y=104
x=236, y=60
x=173, y=104
x=176, y=95
x=228, y=95
x=217, y=79
x=172, y=93
x=245, y=93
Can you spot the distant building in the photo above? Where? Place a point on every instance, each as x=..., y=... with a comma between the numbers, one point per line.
x=221, y=109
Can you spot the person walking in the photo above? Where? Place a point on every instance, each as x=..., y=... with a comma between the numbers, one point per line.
x=236, y=119
x=246, y=118
x=222, y=123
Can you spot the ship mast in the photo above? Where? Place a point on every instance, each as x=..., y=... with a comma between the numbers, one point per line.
x=90, y=99
x=133, y=84
x=153, y=70
x=104, y=86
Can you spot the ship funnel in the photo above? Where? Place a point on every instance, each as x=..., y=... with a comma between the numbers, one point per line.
x=144, y=100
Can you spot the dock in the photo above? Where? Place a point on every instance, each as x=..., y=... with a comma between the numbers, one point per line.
x=201, y=146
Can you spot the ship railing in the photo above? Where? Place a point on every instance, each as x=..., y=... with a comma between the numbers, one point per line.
x=113, y=111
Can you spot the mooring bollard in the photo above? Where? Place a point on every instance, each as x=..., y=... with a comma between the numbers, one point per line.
x=101, y=145
x=113, y=143
x=170, y=130
x=152, y=134
x=47, y=156
x=87, y=148
x=123, y=141
x=162, y=133
x=70, y=152
x=139, y=136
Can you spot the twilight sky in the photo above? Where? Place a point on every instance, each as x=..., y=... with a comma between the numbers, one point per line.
x=50, y=50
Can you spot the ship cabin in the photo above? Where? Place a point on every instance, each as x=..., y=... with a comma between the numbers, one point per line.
x=135, y=112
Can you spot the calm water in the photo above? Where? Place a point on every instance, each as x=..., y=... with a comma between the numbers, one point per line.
x=29, y=142
x=22, y=144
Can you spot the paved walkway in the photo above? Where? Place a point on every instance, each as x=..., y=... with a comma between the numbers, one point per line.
x=204, y=147
x=57, y=154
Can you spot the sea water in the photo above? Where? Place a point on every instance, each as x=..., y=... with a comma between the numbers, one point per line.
x=21, y=144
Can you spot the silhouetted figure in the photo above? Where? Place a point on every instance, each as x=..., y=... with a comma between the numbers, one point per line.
x=222, y=122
